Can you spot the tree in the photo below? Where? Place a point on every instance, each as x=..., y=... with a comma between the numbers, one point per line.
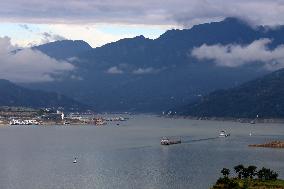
x=261, y=174
x=251, y=171
x=239, y=170
x=245, y=173
x=225, y=172
x=267, y=174
x=273, y=175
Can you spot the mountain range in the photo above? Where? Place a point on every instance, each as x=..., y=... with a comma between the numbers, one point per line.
x=62, y=50
x=263, y=98
x=13, y=95
x=144, y=75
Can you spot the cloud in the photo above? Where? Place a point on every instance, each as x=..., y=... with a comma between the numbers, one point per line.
x=73, y=59
x=28, y=65
x=93, y=35
x=149, y=70
x=147, y=12
x=114, y=70
x=124, y=68
x=50, y=37
x=25, y=27
x=236, y=55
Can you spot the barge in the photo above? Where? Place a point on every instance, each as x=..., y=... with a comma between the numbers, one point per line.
x=168, y=141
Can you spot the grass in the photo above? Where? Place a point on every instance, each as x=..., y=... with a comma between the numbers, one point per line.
x=254, y=184
x=279, y=184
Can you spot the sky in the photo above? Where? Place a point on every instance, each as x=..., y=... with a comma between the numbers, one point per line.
x=33, y=22
x=26, y=23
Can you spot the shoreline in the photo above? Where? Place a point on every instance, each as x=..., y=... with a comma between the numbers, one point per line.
x=50, y=124
x=239, y=120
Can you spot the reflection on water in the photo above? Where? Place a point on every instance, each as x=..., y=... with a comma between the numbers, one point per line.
x=130, y=156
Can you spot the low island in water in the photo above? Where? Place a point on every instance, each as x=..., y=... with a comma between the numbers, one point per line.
x=273, y=144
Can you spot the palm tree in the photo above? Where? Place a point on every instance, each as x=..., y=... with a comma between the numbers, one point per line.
x=239, y=170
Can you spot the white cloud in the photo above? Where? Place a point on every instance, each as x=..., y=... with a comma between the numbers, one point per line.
x=96, y=35
x=149, y=70
x=28, y=65
x=73, y=59
x=236, y=55
x=88, y=33
x=114, y=70
x=50, y=37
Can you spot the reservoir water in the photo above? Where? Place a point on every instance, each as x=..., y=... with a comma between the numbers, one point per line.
x=129, y=156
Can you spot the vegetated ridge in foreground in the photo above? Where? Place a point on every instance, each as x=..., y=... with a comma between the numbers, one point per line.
x=249, y=178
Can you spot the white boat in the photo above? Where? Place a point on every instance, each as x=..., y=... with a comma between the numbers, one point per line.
x=252, y=122
x=223, y=134
x=75, y=160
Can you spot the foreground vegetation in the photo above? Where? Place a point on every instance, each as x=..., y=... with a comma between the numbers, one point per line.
x=249, y=178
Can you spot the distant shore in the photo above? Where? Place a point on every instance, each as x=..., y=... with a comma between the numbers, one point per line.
x=47, y=124
x=240, y=120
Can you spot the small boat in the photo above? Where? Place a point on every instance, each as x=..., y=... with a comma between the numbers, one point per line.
x=167, y=141
x=75, y=160
x=223, y=134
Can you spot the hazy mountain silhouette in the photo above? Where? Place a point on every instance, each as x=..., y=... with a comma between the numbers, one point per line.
x=13, y=95
x=140, y=74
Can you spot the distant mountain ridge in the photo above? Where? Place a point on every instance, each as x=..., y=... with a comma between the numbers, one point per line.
x=146, y=75
x=64, y=49
x=13, y=95
x=263, y=97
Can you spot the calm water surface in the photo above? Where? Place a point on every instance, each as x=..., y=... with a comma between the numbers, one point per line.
x=129, y=156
